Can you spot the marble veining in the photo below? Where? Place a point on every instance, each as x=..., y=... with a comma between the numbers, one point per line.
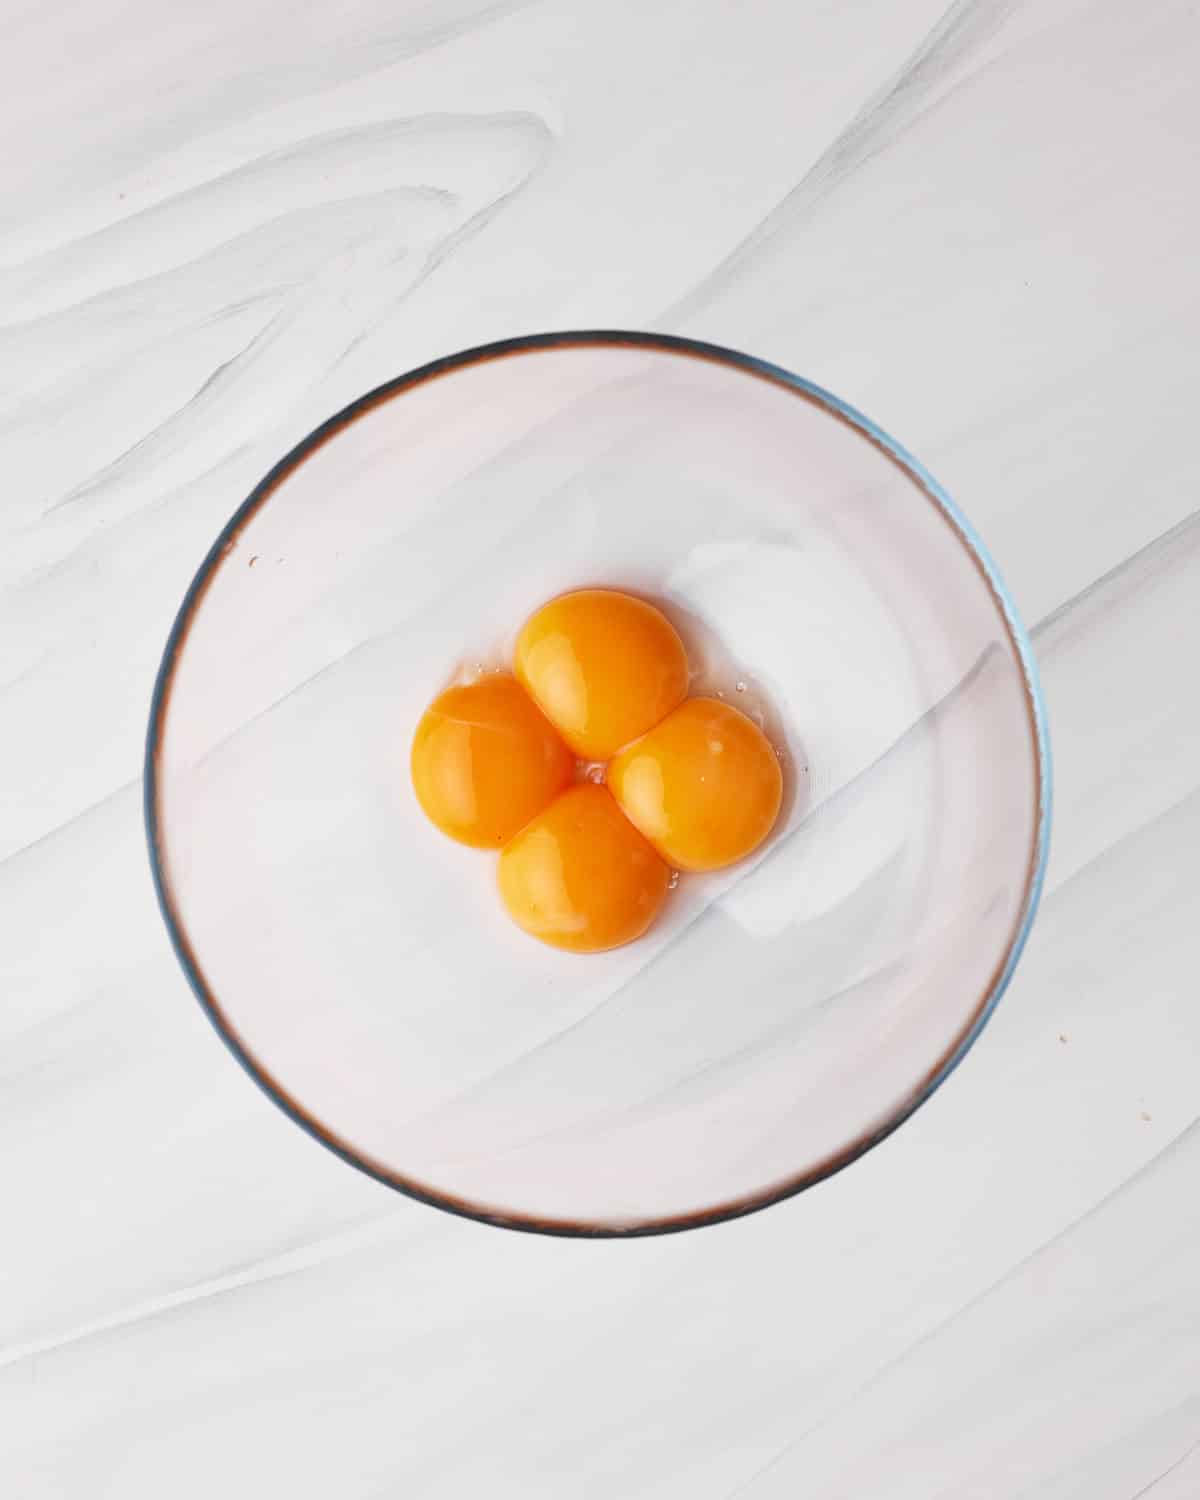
x=976, y=224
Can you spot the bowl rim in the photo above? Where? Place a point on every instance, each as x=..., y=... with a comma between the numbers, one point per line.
x=950, y=1057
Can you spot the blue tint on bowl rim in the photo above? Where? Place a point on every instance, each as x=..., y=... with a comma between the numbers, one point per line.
x=1036, y=869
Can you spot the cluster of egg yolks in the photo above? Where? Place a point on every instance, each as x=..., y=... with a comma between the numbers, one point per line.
x=692, y=783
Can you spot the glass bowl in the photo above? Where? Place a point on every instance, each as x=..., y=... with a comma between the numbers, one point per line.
x=782, y=1016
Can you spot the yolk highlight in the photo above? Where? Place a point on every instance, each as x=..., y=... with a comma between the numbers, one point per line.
x=484, y=761
x=603, y=667
x=580, y=876
x=704, y=785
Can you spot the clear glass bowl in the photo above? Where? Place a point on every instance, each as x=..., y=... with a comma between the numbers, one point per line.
x=781, y=1017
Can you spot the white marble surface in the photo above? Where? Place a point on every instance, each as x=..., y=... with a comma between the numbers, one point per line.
x=978, y=224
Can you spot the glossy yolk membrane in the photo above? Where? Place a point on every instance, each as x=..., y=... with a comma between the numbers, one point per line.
x=580, y=876
x=704, y=785
x=603, y=667
x=484, y=761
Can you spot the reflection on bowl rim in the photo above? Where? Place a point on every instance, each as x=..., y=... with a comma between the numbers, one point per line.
x=1035, y=704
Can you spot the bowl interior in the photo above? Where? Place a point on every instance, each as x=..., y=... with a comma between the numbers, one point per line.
x=781, y=1015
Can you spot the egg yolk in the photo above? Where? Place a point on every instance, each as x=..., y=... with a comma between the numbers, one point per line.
x=704, y=785
x=580, y=876
x=484, y=761
x=603, y=667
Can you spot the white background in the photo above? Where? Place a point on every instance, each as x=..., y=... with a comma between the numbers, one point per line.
x=220, y=222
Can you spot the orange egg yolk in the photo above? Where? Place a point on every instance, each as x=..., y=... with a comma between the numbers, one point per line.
x=603, y=667
x=704, y=785
x=484, y=761
x=580, y=876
